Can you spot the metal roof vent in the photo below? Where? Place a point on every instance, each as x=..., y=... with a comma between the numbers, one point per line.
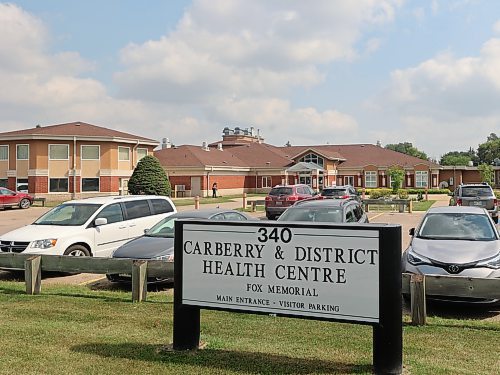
x=204, y=146
x=219, y=146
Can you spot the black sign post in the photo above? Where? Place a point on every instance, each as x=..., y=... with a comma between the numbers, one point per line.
x=387, y=331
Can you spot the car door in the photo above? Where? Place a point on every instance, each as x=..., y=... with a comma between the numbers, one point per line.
x=8, y=197
x=138, y=217
x=110, y=236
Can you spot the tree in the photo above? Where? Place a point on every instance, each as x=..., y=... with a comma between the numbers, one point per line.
x=456, y=158
x=490, y=150
x=407, y=148
x=486, y=172
x=149, y=178
x=397, y=175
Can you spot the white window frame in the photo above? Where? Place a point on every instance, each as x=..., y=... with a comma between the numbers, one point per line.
x=98, y=152
x=128, y=148
x=7, y=152
x=419, y=181
x=309, y=158
x=58, y=178
x=94, y=178
x=371, y=173
x=141, y=148
x=23, y=144
x=59, y=144
x=266, y=182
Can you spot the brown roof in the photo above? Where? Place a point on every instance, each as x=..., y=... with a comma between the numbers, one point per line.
x=360, y=155
x=247, y=156
x=80, y=129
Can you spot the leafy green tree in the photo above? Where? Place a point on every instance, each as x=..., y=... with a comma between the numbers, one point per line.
x=486, y=172
x=397, y=175
x=455, y=158
x=149, y=178
x=490, y=150
x=407, y=148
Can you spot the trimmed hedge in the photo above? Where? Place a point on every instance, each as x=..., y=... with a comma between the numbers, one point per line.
x=382, y=192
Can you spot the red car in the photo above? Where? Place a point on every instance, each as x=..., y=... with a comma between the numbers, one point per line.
x=283, y=196
x=9, y=198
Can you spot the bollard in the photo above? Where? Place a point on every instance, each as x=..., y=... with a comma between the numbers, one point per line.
x=410, y=206
x=426, y=194
x=244, y=200
x=197, y=202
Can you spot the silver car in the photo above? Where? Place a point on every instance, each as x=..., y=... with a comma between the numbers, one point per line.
x=460, y=241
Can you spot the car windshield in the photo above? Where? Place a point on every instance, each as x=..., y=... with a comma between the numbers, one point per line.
x=281, y=191
x=327, y=215
x=164, y=228
x=334, y=193
x=470, y=192
x=68, y=214
x=457, y=226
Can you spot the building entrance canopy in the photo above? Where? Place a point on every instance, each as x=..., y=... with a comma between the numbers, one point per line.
x=303, y=167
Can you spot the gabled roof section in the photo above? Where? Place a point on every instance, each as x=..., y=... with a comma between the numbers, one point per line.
x=305, y=167
x=251, y=155
x=323, y=151
x=74, y=129
x=360, y=155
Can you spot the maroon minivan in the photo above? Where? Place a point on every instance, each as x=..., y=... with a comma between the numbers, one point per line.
x=283, y=196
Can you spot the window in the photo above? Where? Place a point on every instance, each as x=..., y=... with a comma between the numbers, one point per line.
x=161, y=206
x=233, y=216
x=123, y=153
x=113, y=213
x=136, y=209
x=141, y=152
x=3, y=182
x=58, y=185
x=4, y=152
x=371, y=179
x=22, y=185
x=90, y=184
x=58, y=152
x=23, y=152
x=421, y=178
x=266, y=181
x=313, y=158
x=90, y=152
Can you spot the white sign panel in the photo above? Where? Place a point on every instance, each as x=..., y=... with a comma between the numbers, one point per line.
x=319, y=272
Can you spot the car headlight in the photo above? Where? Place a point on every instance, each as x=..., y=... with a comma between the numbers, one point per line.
x=168, y=258
x=416, y=259
x=491, y=262
x=44, y=244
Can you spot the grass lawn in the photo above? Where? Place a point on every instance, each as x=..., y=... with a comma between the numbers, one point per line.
x=208, y=200
x=74, y=330
x=423, y=205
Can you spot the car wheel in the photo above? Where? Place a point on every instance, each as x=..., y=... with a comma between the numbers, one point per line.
x=25, y=203
x=77, y=251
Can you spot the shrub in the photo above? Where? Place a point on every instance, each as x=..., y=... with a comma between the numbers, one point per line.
x=379, y=193
x=403, y=194
x=149, y=178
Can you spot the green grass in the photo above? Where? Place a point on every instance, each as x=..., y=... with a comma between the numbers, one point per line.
x=209, y=200
x=74, y=330
x=423, y=205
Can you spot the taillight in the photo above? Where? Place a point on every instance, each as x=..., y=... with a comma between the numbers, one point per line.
x=292, y=198
x=459, y=202
x=495, y=202
x=344, y=197
x=268, y=198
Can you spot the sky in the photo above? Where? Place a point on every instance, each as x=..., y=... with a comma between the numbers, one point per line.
x=304, y=72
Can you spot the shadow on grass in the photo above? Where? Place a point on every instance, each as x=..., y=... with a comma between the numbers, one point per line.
x=238, y=361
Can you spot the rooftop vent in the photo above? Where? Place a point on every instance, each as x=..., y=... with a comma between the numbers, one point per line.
x=204, y=146
x=219, y=146
x=165, y=143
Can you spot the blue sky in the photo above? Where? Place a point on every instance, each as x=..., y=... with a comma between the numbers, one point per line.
x=426, y=72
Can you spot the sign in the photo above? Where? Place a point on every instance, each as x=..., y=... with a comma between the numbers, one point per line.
x=317, y=272
x=308, y=270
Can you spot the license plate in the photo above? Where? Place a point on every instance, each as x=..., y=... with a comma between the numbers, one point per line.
x=278, y=203
x=477, y=203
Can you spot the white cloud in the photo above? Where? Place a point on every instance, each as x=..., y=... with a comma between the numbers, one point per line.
x=452, y=99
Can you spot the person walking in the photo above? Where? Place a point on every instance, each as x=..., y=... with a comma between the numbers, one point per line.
x=214, y=190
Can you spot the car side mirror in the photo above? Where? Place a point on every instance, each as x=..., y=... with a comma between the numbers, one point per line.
x=146, y=231
x=411, y=232
x=100, y=221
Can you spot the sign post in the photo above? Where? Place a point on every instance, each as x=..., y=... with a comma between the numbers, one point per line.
x=309, y=270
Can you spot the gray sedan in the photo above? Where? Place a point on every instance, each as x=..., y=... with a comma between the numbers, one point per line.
x=158, y=242
x=461, y=241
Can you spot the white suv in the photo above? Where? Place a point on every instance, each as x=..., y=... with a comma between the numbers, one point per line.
x=88, y=227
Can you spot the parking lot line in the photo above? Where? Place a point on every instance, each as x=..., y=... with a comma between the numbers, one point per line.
x=374, y=217
x=92, y=281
